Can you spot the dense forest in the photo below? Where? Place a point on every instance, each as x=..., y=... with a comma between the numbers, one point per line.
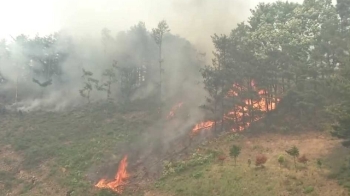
x=288, y=60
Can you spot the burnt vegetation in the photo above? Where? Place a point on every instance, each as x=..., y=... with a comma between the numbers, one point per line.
x=141, y=111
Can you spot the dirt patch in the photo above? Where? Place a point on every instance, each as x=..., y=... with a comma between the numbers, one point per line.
x=313, y=145
x=23, y=182
x=9, y=159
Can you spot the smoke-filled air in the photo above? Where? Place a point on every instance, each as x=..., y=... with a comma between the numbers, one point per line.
x=179, y=97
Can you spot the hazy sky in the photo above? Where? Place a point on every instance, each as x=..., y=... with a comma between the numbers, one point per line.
x=194, y=19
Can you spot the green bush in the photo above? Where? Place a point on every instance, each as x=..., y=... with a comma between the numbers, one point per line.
x=281, y=159
x=197, y=175
x=308, y=189
x=177, y=167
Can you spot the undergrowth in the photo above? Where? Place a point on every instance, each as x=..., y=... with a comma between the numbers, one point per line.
x=71, y=141
x=195, y=160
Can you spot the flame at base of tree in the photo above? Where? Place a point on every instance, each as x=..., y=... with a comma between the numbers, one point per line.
x=246, y=112
x=119, y=180
x=240, y=113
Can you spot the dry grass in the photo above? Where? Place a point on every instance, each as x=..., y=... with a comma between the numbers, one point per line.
x=226, y=179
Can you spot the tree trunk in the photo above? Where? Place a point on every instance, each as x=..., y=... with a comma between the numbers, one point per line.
x=222, y=116
x=16, y=96
x=160, y=79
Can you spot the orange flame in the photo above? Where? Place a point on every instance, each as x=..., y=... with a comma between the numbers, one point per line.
x=238, y=113
x=173, y=110
x=120, y=178
x=202, y=125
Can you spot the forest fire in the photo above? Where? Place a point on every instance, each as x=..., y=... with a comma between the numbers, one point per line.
x=246, y=111
x=173, y=110
x=249, y=111
x=119, y=180
x=202, y=125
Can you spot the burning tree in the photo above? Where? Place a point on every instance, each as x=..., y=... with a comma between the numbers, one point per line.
x=211, y=83
x=237, y=94
x=214, y=80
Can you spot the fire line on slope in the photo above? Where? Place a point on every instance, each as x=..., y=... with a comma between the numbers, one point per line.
x=120, y=178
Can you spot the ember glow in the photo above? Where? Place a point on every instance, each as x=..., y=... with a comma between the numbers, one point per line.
x=120, y=178
x=173, y=110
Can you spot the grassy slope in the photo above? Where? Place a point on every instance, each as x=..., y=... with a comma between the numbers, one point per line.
x=59, y=148
x=223, y=178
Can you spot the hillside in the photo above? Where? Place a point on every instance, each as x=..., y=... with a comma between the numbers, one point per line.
x=53, y=153
x=216, y=177
x=67, y=153
x=142, y=111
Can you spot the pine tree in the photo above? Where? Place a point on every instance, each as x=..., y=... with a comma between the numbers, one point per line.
x=158, y=35
x=234, y=152
x=294, y=152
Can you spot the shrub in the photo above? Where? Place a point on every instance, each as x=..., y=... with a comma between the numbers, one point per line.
x=319, y=163
x=222, y=158
x=235, y=151
x=177, y=167
x=260, y=160
x=303, y=159
x=281, y=159
x=308, y=189
x=294, y=152
x=197, y=175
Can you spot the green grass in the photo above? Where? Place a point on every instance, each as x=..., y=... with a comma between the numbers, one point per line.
x=308, y=189
x=7, y=179
x=75, y=140
x=219, y=180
